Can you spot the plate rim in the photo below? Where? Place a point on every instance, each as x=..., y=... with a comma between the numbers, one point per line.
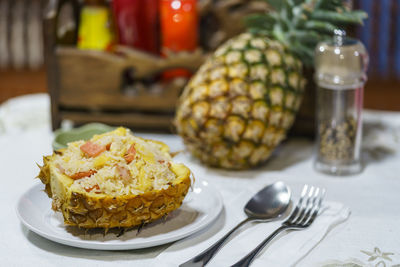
x=104, y=245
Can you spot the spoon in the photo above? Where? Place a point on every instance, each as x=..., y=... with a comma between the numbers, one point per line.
x=268, y=204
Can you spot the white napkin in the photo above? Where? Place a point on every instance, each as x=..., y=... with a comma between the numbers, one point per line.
x=287, y=249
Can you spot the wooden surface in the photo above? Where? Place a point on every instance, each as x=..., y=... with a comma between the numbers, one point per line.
x=15, y=83
x=381, y=94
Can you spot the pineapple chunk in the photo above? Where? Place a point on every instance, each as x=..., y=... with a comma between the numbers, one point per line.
x=144, y=182
x=100, y=161
x=148, y=158
x=120, y=131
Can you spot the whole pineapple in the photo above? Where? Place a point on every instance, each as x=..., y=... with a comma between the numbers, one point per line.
x=242, y=101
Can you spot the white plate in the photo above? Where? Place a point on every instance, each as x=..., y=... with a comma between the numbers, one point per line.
x=200, y=208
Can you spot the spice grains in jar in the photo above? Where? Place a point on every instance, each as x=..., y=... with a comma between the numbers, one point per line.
x=337, y=140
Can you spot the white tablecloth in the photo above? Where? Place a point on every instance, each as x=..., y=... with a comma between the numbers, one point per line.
x=370, y=237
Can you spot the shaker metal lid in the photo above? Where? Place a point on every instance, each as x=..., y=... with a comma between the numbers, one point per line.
x=340, y=63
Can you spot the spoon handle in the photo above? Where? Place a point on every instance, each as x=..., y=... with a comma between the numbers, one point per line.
x=204, y=257
x=246, y=260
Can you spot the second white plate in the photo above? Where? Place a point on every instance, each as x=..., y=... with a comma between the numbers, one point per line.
x=200, y=208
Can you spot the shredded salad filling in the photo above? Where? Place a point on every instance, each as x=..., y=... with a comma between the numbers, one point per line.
x=116, y=163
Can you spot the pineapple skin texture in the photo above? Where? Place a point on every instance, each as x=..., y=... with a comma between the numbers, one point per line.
x=240, y=104
x=90, y=210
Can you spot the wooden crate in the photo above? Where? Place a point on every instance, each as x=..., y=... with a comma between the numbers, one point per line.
x=88, y=86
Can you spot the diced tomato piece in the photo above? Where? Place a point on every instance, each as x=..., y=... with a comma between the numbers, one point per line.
x=80, y=175
x=108, y=146
x=131, y=149
x=129, y=158
x=130, y=154
x=96, y=186
x=92, y=149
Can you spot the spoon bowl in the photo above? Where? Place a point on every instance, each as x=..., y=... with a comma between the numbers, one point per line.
x=268, y=204
x=271, y=202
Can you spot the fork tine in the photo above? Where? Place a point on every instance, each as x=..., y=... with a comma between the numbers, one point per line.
x=311, y=207
x=306, y=206
x=317, y=208
x=295, y=212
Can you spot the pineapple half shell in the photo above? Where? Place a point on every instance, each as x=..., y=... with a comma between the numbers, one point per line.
x=240, y=104
x=91, y=210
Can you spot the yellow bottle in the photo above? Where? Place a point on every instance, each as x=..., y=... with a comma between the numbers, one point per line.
x=95, y=29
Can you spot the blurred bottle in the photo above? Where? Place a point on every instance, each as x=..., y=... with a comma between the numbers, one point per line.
x=95, y=29
x=136, y=22
x=179, y=29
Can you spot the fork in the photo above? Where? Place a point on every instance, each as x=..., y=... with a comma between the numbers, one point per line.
x=302, y=217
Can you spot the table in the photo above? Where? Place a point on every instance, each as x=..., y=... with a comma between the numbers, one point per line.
x=370, y=237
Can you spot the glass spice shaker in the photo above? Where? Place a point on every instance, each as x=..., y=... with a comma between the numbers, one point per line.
x=340, y=74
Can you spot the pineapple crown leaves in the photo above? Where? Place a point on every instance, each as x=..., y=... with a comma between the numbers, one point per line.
x=301, y=24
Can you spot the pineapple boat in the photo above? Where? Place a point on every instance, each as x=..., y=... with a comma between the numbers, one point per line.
x=114, y=180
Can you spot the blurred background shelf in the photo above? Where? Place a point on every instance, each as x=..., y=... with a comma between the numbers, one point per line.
x=383, y=94
x=21, y=56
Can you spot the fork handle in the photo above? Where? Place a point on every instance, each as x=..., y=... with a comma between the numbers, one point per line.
x=203, y=258
x=246, y=260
